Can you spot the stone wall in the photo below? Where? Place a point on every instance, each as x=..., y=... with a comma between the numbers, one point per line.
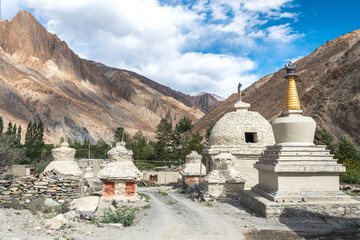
x=163, y=177
x=25, y=189
x=320, y=209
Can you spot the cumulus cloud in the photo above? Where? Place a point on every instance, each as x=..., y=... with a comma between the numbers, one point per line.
x=282, y=33
x=195, y=47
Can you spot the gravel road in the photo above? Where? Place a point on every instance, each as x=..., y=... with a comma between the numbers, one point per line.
x=172, y=216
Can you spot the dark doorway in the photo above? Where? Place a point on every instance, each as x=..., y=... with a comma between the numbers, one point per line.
x=250, y=137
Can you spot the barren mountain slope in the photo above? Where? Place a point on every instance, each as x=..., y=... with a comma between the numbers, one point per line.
x=328, y=86
x=41, y=78
x=205, y=101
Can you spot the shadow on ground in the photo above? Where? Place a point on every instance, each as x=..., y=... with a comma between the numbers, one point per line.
x=312, y=227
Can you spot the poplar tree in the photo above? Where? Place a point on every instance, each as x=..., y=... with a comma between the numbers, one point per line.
x=1, y=125
x=34, y=141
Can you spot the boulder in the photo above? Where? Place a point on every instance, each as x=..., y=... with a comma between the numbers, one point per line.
x=49, y=202
x=89, y=203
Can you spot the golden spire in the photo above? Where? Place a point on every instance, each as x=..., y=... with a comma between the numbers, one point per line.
x=292, y=98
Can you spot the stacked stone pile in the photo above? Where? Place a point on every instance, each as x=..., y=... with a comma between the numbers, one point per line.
x=46, y=185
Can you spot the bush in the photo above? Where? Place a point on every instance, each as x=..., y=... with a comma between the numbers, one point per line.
x=351, y=176
x=124, y=215
x=40, y=166
x=8, y=177
x=37, y=205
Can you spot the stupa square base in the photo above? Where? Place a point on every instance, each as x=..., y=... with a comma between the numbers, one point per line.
x=284, y=210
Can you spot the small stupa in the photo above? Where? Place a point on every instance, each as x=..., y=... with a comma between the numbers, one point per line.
x=89, y=175
x=120, y=175
x=223, y=182
x=194, y=170
x=63, y=160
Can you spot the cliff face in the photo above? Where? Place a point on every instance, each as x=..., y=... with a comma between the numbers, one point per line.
x=328, y=87
x=42, y=78
x=205, y=101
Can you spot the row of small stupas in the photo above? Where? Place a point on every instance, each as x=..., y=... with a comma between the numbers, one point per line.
x=119, y=176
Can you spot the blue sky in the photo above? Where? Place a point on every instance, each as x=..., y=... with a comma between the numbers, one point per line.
x=194, y=46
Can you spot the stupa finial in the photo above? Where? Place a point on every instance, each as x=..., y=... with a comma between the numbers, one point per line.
x=292, y=97
x=239, y=90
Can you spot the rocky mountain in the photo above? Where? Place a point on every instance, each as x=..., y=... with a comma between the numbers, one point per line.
x=328, y=86
x=42, y=78
x=205, y=101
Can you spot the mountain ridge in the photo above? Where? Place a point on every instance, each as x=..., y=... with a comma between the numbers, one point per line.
x=42, y=78
x=328, y=87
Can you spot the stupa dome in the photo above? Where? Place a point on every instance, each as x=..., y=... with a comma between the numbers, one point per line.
x=241, y=128
x=120, y=165
x=63, y=153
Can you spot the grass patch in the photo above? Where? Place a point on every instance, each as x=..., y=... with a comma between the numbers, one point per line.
x=209, y=203
x=180, y=190
x=124, y=215
x=162, y=193
x=147, y=206
x=172, y=202
x=353, y=193
x=354, y=224
x=143, y=195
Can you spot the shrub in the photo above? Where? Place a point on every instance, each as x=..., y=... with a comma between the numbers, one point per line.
x=41, y=165
x=350, y=176
x=162, y=193
x=8, y=177
x=124, y=215
x=37, y=205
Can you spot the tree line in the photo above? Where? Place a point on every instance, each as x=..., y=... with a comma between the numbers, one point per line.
x=12, y=151
x=171, y=145
x=347, y=153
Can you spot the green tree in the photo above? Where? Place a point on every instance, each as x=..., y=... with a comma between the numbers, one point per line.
x=9, y=129
x=138, y=146
x=164, y=135
x=184, y=125
x=327, y=139
x=34, y=141
x=1, y=125
x=10, y=151
x=348, y=153
x=100, y=149
x=18, y=135
x=120, y=135
x=209, y=128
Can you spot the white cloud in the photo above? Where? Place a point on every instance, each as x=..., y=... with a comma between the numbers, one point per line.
x=282, y=33
x=169, y=44
x=293, y=59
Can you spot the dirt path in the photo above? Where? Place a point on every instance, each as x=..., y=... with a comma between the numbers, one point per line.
x=171, y=216
x=180, y=218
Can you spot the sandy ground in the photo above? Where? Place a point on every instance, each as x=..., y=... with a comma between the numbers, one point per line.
x=174, y=216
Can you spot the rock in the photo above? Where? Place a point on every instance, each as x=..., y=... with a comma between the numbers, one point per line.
x=89, y=203
x=111, y=225
x=53, y=224
x=56, y=223
x=51, y=203
x=71, y=215
x=87, y=215
x=41, y=183
x=16, y=192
